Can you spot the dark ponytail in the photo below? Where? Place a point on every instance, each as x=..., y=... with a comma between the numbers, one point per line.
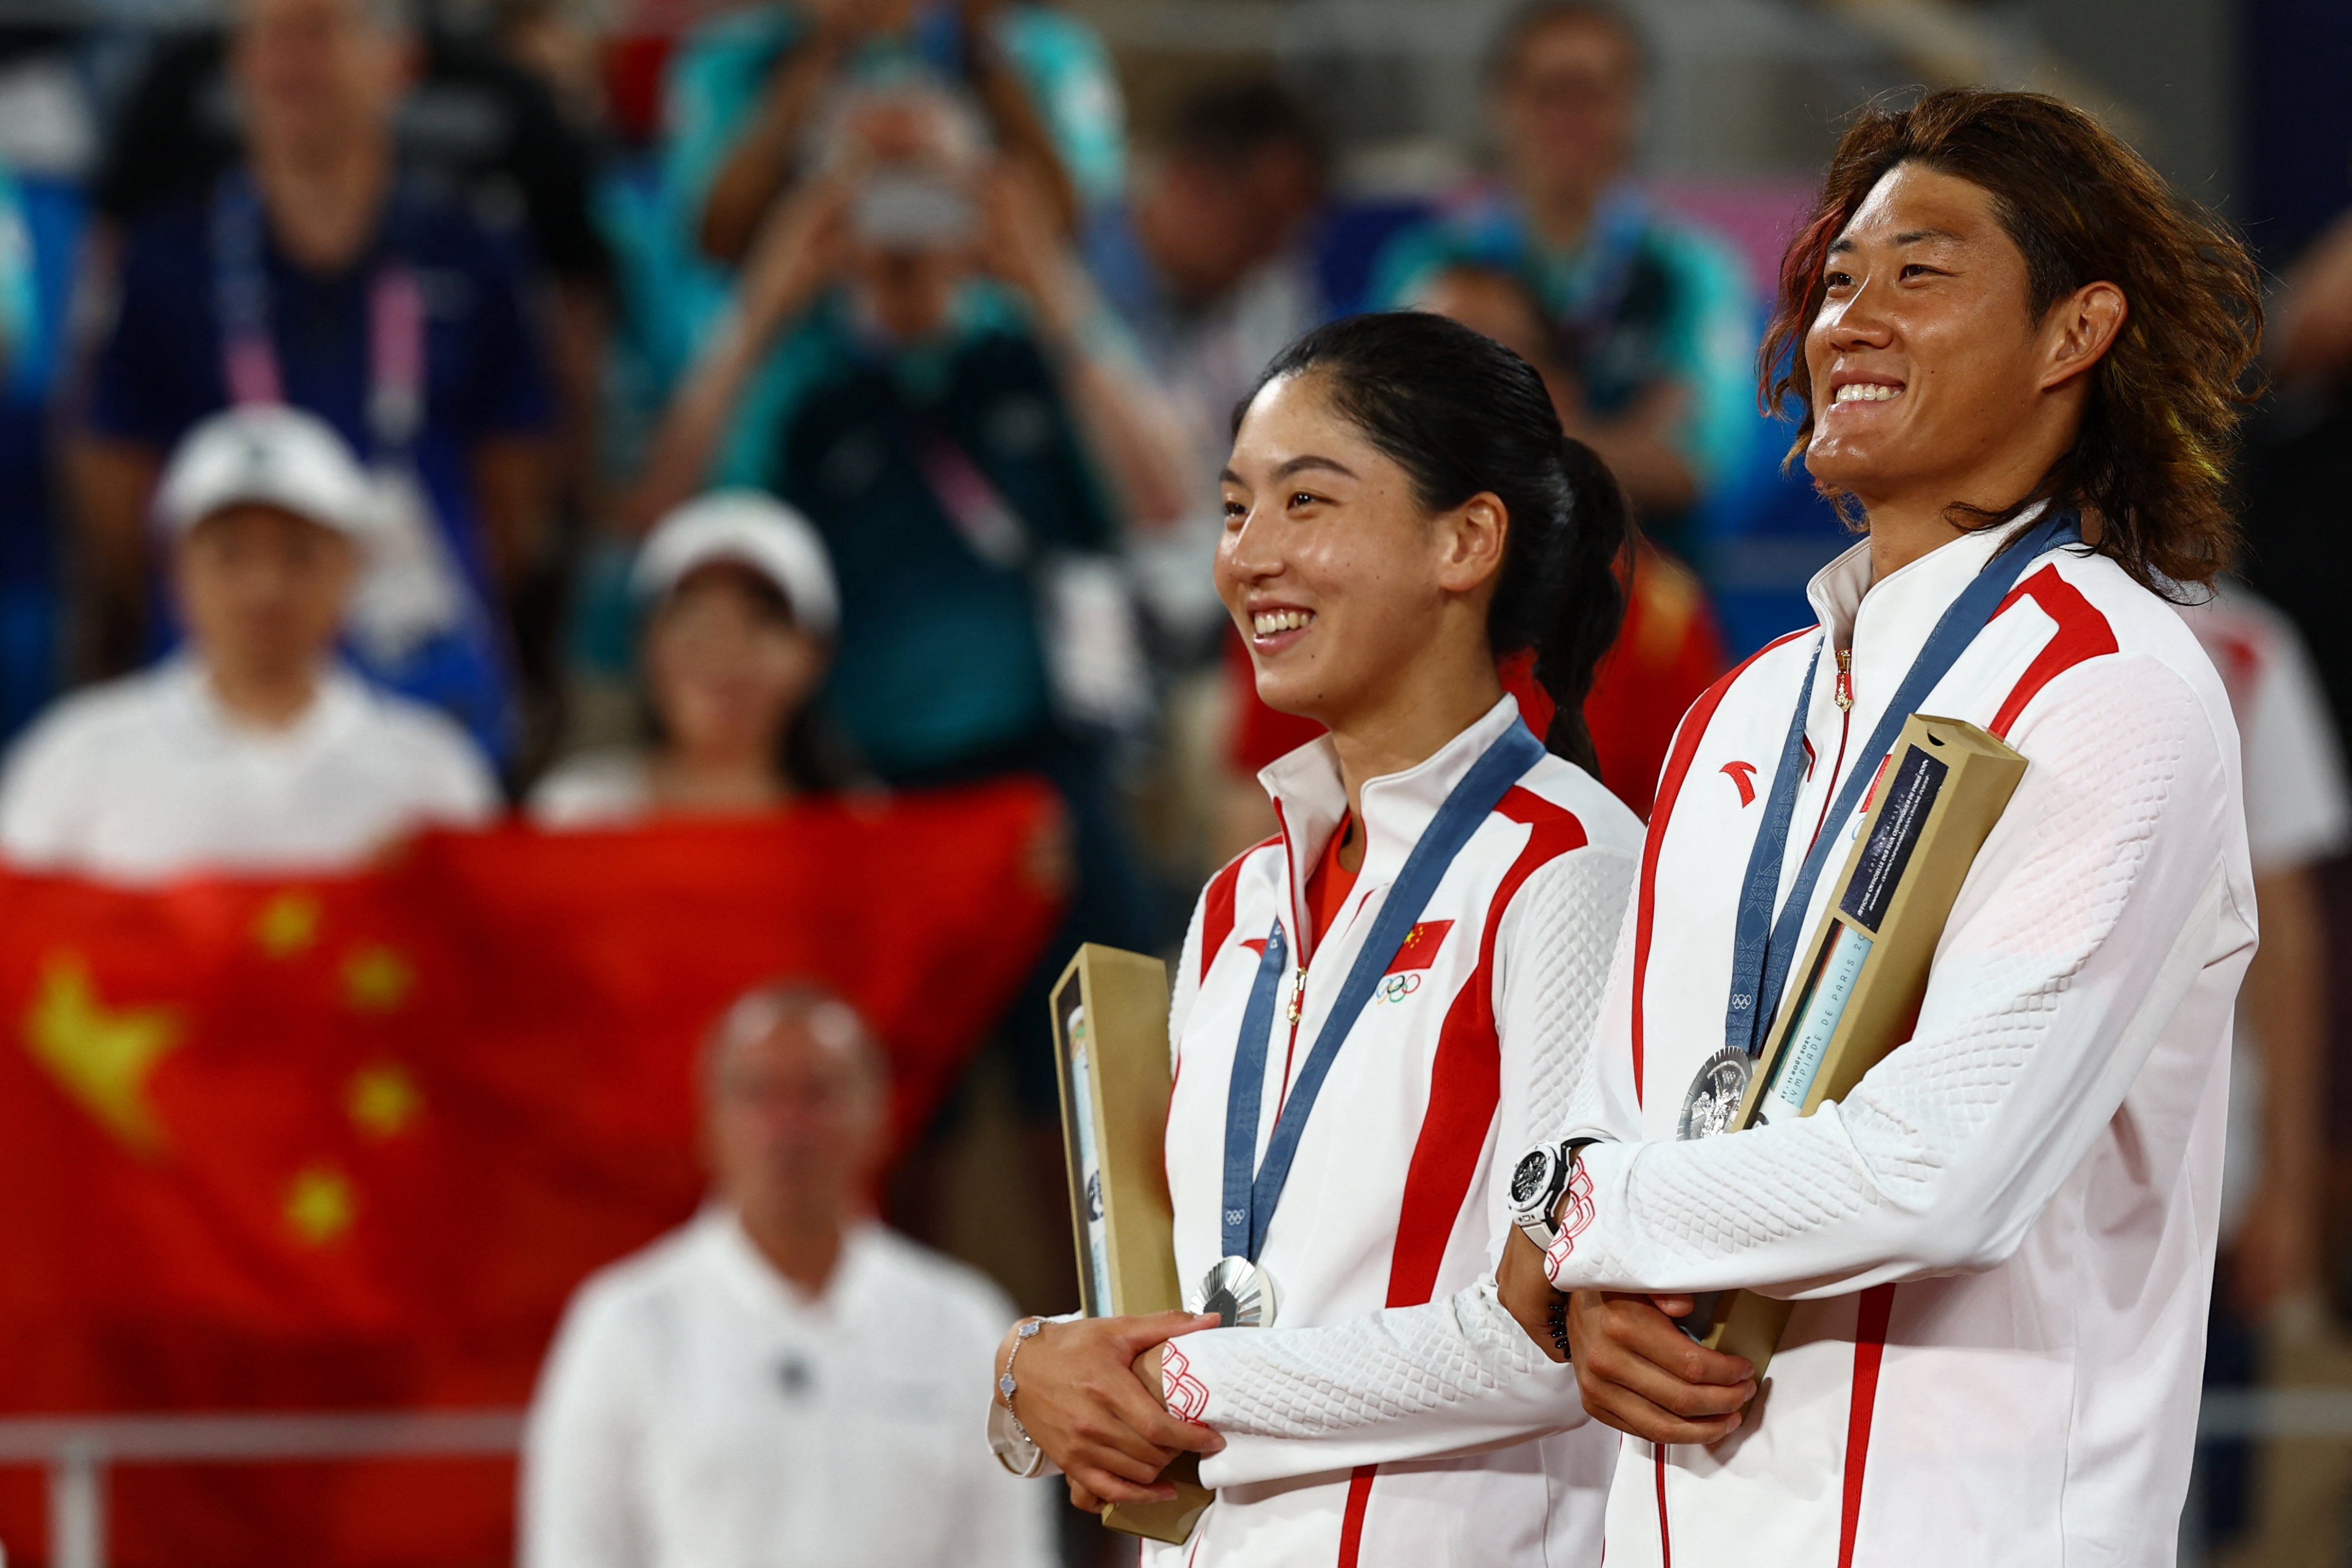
x=1461, y=414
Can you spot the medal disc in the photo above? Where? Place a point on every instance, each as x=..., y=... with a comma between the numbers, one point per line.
x=1713, y=1103
x=1239, y=1293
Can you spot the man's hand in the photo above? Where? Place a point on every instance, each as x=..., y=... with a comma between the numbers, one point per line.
x=1084, y=1399
x=1640, y=1373
x=1526, y=1290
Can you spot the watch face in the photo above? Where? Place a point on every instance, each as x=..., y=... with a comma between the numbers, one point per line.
x=1533, y=1174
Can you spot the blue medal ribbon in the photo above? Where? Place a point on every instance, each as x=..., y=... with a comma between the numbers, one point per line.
x=1763, y=948
x=1250, y=1201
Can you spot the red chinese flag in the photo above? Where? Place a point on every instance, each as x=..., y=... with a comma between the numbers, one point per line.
x=350, y=1144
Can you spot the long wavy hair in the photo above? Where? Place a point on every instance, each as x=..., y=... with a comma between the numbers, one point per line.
x=2152, y=460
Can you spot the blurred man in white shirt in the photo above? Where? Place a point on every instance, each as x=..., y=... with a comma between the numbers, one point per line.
x=2298, y=817
x=252, y=748
x=781, y=1380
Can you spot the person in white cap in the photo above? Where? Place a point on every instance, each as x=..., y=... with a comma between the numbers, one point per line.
x=741, y=611
x=253, y=748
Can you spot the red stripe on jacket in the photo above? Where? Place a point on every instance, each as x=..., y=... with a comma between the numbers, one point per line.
x=1869, y=1349
x=1467, y=1081
x=1217, y=906
x=1670, y=788
x=1464, y=1087
x=1351, y=1523
x=2082, y=634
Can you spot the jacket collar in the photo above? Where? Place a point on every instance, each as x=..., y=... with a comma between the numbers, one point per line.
x=1884, y=624
x=756, y=1281
x=196, y=718
x=1309, y=799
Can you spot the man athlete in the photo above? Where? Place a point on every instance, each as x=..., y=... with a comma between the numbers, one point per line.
x=2021, y=360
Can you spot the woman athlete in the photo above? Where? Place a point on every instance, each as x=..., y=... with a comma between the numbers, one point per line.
x=1379, y=1007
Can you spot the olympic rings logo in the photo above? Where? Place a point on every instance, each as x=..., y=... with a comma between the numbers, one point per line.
x=1397, y=987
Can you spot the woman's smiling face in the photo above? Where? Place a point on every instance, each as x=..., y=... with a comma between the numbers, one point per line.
x=1329, y=564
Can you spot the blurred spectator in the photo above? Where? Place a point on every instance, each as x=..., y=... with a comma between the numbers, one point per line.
x=783, y=1380
x=2273, y=1181
x=252, y=748
x=2311, y=338
x=2300, y=459
x=323, y=273
x=480, y=120
x=28, y=576
x=918, y=363
x=749, y=92
x=741, y=616
x=2298, y=817
x=1656, y=318
x=1207, y=269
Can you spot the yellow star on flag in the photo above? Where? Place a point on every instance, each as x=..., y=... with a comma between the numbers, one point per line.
x=377, y=980
x=287, y=925
x=319, y=1205
x=101, y=1057
x=383, y=1100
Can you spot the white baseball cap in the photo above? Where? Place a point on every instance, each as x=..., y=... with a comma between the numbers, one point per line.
x=750, y=528
x=271, y=455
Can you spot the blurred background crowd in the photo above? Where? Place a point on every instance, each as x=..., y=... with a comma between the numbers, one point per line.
x=614, y=413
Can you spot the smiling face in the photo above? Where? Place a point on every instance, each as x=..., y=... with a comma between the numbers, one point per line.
x=1340, y=581
x=727, y=668
x=1929, y=376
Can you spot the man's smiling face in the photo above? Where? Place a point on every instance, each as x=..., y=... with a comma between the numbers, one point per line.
x=1924, y=358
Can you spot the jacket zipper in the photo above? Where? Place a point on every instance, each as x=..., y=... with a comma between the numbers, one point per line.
x=1844, y=694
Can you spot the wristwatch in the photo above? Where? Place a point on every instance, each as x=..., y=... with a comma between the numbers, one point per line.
x=1536, y=1183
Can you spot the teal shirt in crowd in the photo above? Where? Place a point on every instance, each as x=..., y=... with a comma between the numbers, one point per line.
x=940, y=664
x=1642, y=300
x=713, y=91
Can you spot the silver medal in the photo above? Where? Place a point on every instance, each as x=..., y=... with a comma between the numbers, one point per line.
x=1715, y=1094
x=1239, y=1292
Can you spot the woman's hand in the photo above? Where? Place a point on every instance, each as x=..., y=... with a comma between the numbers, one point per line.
x=1639, y=1373
x=1527, y=1290
x=1084, y=1399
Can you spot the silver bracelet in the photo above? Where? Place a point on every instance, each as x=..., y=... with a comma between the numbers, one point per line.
x=1005, y=1385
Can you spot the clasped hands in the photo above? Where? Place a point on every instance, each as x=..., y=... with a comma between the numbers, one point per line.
x=1636, y=1369
x=1089, y=1396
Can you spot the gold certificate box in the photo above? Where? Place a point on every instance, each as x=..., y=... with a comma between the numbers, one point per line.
x=1855, y=996
x=1110, y=1048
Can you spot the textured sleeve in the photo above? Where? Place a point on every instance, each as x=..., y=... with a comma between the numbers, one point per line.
x=582, y=1447
x=1456, y=1374
x=2104, y=894
x=1410, y=1383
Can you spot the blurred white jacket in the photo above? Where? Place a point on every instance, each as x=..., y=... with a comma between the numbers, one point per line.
x=2001, y=1241
x=698, y=1411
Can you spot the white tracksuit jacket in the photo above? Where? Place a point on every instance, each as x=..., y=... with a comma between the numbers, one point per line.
x=1395, y=1415
x=2002, y=1240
